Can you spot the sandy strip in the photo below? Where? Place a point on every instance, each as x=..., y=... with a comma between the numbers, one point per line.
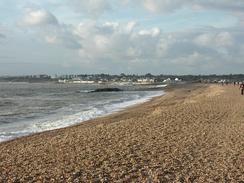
x=193, y=134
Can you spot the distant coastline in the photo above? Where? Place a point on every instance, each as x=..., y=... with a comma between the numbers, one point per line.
x=123, y=78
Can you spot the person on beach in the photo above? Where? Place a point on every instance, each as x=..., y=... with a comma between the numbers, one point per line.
x=242, y=88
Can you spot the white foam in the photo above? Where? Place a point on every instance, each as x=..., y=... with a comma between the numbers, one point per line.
x=84, y=91
x=23, y=129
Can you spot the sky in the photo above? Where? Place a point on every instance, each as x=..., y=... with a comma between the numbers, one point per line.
x=126, y=36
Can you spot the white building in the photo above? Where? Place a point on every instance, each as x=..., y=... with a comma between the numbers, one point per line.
x=146, y=81
x=62, y=81
x=83, y=82
x=167, y=80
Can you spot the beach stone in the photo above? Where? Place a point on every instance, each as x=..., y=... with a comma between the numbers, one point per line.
x=183, y=136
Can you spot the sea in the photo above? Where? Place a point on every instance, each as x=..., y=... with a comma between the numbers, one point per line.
x=28, y=108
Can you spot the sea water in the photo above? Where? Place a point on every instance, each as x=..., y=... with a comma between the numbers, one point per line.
x=27, y=108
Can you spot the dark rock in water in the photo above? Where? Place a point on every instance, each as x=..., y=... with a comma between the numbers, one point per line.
x=106, y=90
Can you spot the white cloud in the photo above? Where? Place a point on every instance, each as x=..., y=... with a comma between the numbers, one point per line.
x=205, y=39
x=45, y=26
x=38, y=17
x=128, y=28
x=120, y=44
x=51, y=39
x=221, y=39
x=110, y=42
x=224, y=39
x=128, y=44
x=116, y=41
x=151, y=32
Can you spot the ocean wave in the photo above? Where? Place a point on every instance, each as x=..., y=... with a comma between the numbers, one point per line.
x=84, y=91
x=98, y=109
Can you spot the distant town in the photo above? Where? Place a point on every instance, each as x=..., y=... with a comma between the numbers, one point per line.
x=123, y=78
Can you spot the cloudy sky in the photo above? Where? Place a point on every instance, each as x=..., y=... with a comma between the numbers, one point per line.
x=129, y=36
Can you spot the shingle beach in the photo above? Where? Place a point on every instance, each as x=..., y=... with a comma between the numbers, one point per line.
x=192, y=134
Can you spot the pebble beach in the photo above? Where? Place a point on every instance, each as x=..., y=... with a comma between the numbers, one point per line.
x=194, y=133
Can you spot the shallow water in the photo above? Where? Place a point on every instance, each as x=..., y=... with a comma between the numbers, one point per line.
x=27, y=108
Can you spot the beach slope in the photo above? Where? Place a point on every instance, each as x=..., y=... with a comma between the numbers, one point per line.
x=192, y=134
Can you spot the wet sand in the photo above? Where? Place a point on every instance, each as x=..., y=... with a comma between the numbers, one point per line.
x=195, y=133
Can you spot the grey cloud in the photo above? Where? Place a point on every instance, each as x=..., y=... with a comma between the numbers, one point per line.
x=114, y=47
x=96, y=8
x=166, y=50
x=93, y=8
x=43, y=23
x=156, y=6
x=237, y=5
x=121, y=50
x=2, y=36
x=167, y=6
x=121, y=47
x=63, y=35
x=2, y=32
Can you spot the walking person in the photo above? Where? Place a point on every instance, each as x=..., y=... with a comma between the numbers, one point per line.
x=242, y=88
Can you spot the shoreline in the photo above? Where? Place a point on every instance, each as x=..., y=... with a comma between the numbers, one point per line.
x=165, y=90
x=193, y=133
x=116, y=110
